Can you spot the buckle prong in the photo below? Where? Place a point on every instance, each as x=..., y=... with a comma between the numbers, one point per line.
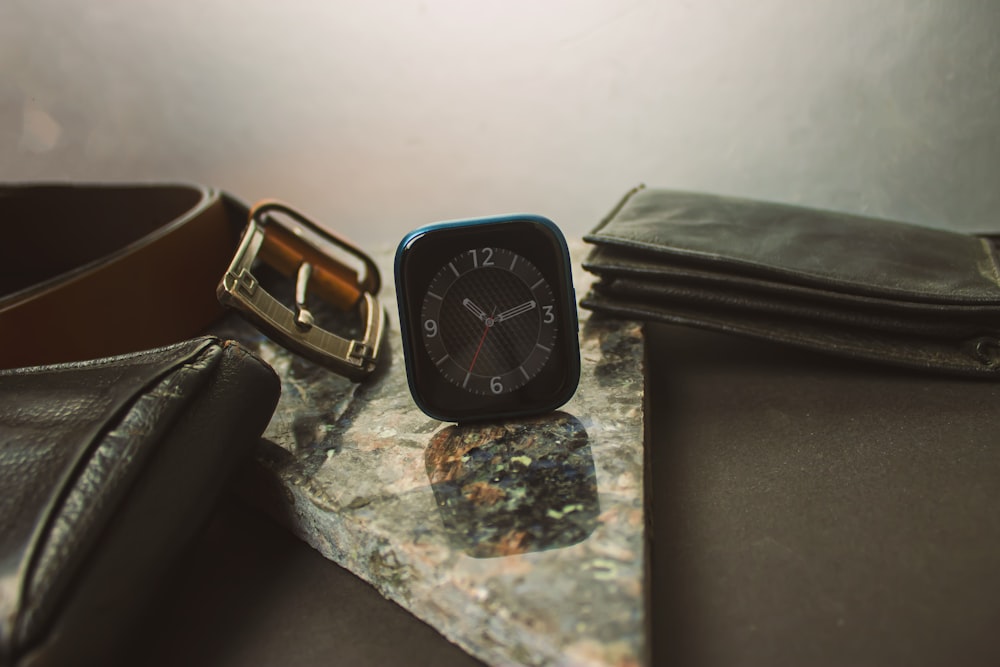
x=289, y=249
x=303, y=318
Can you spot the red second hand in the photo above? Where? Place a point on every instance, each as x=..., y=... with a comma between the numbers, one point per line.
x=482, y=339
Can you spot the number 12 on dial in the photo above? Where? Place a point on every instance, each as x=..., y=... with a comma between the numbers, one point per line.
x=488, y=318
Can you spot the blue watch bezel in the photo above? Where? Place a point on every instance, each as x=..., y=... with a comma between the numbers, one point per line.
x=572, y=356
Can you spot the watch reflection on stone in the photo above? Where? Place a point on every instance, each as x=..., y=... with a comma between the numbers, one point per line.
x=514, y=488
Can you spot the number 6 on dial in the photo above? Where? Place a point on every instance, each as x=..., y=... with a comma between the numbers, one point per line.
x=499, y=328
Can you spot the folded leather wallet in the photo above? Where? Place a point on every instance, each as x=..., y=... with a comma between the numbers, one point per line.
x=108, y=468
x=856, y=286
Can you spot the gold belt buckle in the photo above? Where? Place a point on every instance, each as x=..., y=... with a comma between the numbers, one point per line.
x=289, y=249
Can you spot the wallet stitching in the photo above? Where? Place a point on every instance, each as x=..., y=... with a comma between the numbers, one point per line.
x=613, y=213
x=613, y=240
x=914, y=357
x=668, y=275
x=991, y=255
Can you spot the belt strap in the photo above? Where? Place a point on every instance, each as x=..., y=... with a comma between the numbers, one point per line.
x=90, y=271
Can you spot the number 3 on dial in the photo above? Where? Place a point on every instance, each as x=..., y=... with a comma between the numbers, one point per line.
x=487, y=314
x=489, y=322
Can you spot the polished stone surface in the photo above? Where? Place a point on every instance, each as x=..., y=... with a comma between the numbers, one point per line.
x=522, y=542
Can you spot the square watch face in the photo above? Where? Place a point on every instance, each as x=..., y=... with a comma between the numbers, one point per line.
x=488, y=318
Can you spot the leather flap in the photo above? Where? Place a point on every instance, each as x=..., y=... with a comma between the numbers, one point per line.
x=61, y=466
x=798, y=245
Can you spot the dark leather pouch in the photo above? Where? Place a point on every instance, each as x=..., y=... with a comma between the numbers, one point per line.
x=857, y=286
x=108, y=467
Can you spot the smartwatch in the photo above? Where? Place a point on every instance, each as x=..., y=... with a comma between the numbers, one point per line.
x=488, y=319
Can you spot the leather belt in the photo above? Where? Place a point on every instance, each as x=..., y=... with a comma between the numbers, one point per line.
x=90, y=271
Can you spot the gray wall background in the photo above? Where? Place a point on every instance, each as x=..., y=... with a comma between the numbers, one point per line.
x=377, y=117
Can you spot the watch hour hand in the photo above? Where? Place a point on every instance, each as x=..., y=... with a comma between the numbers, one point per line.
x=515, y=311
x=475, y=310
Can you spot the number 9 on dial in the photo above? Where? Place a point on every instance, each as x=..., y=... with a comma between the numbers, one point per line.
x=488, y=317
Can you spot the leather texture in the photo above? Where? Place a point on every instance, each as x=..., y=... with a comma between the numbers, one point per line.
x=108, y=467
x=857, y=286
x=93, y=270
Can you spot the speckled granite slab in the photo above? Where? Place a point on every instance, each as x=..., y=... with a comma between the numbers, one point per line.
x=522, y=542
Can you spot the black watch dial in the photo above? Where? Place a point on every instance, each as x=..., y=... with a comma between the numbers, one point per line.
x=489, y=320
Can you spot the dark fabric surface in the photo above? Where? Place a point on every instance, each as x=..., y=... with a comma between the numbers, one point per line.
x=250, y=593
x=814, y=511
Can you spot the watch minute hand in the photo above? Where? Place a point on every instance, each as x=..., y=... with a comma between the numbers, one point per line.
x=515, y=311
